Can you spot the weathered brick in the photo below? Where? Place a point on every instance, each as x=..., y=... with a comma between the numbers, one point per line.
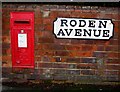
x=46, y=40
x=86, y=66
x=87, y=47
x=89, y=42
x=53, y=7
x=46, y=33
x=113, y=61
x=111, y=48
x=84, y=54
x=58, y=71
x=29, y=8
x=73, y=54
x=55, y=65
x=99, y=54
x=73, y=72
x=37, y=58
x=53, y=47
x=45, y=65
x=110, y=72
x=6, y=45
x=21, y=7
x=113, y=54
x=73, y=47
x=101, y=42
x=64, y=14
x=88, y=60
x=38, y=21
x=113, y=78
x=6, y=51
x=60, y=77
x=95, y=59
x=58, y=47
x=5, y=39
x=53, y=14
x=47, y=21
x=48, y=27
x=113, y=67
x=61, y=53
x=76, y=41
x=71, y=59
x=87, y=72
x=113, y=42
x=70, y=7
x=62, y=41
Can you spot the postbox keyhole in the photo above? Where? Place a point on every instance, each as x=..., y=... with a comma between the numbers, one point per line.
x=22, y=31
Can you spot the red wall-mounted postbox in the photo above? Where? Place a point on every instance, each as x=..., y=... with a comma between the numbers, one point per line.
x=22, y=39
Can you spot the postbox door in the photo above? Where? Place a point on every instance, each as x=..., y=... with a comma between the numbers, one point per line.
x=22, y=40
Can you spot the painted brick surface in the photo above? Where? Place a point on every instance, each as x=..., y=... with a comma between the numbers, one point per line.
x=67, y=59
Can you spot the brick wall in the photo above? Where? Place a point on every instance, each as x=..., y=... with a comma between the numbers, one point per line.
x=67, y=59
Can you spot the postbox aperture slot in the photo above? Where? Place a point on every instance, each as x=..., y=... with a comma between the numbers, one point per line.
x=17, y=22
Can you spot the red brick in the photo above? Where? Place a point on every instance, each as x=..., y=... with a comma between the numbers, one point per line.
x=6, y=58
x=0, y=58
x=87, y=47
x=39, y=47
x=86, y=66
x=113, y=67
x=53, y=14
x=87, y=72
x=100, y=48
x=114, y=42
x=89, y=42
x=76, y=13
x=86, y=11
x=46, y=40
x=58, y=47
x=101, y=42
x=37, y=58
x=62, y=41
x=47, y=21
x=73, y=47
x=112, y=16
x=39, y=28
x=113, y=61
x=64, y=14
x=111, y=48
x=70, y=7
x=53, y=47
x=46, y=34
x=88, y=60
x=55, y=65
x=53, y=7
x=6, y=51
x=73, y=60
x=5, y=39
x=84, y=54
x=38, y=21
x=72, y=54
x=61, y=53
x=110, y=72
x=29, y=8
x=45, y=65
x=94, y=11
x=6, y=45
x=113, y=54
x=48, y=27
x=77, y=42
x=100, y=54
x=45, y=52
